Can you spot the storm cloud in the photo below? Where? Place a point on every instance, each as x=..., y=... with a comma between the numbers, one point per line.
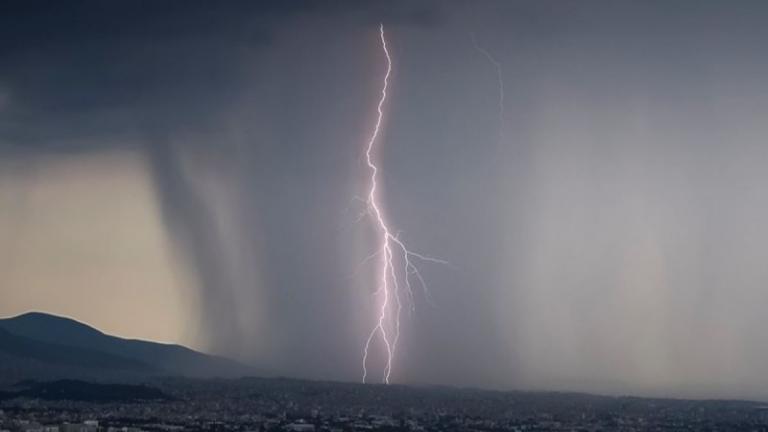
x=610, y=241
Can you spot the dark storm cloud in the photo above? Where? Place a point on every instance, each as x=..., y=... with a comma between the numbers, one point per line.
x=88, y=69
x=598, y=246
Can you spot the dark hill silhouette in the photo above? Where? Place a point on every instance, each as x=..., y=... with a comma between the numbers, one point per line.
x=158, y=358
x=63, y=355
x=85, y=391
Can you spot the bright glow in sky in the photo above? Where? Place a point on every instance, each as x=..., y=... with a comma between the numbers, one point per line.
x=82, y=236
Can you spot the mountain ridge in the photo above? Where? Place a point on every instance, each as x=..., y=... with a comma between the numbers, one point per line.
x=50, y=338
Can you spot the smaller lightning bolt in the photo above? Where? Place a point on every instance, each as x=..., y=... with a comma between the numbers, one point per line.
x=499, y=77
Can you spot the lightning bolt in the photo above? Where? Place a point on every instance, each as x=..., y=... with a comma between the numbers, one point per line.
x=392, y=250
x=499, y=78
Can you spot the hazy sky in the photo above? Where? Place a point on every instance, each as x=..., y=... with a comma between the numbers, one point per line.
x=187, y=171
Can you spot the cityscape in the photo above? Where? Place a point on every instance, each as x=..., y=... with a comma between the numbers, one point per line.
x=255, y=404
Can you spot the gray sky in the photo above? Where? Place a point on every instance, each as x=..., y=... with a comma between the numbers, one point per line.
x=187, y=172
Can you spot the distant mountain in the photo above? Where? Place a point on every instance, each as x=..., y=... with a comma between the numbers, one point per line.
x=59, y=341
x=33, y=350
